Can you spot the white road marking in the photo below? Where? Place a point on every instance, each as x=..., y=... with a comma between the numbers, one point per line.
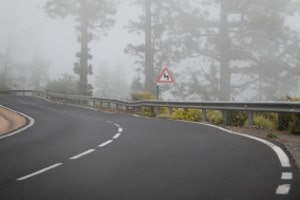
x=105, y=143
x=287, y=176
x=283, y=189
x=120, y=130
x=283, y=158
x=117, y=136
x=39, y=172
x=117, y=125
x=31, y=123
x=82, y=154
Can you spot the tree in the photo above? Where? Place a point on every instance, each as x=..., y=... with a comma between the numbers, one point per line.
x=167, y=40
x=249, y=42
x=38, y=70
x=94, y=19
x=64, y=85
x=111, y=84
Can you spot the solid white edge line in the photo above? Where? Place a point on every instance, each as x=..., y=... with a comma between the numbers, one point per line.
x=117, y=136
x=82, y=154
x=105, y=143
x=283, y=189
x=31, y=123
x=287, y=176
x=39, y=172
x=282, y=156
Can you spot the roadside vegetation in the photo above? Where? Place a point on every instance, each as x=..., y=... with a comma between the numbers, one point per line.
x=272, y=122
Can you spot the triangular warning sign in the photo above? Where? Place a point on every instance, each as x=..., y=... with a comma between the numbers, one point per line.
x=165, y=77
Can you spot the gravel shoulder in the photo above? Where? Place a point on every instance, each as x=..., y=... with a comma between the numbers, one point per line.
x=290, y=141
x=10, y=121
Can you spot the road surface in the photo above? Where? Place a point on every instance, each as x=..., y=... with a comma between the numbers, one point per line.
x=76, y=153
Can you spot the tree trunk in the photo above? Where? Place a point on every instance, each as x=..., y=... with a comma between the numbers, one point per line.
x=84, y=51
x=149, y=70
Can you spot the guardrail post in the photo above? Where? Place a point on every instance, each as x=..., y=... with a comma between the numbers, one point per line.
x=170, y=112
x=250, y=118
x=204, y=115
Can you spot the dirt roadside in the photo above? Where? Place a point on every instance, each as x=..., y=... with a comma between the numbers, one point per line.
x=290, y=141
x=10, y=121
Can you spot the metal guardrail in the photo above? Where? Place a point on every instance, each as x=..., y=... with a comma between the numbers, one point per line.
x=224, y=106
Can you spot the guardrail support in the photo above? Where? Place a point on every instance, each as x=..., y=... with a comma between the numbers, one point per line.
x=250, y=118
x=170, y=112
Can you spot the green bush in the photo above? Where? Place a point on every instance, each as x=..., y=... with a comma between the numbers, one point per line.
x=283, y=120
x=138, y=96
x=214, y=116
x=187, y=114
x=268, y=121
x=146, y=111
x=236, y=118
x=294, y=124
x=294, y=119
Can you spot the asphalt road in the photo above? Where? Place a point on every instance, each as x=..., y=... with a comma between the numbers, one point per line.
x=76, y=153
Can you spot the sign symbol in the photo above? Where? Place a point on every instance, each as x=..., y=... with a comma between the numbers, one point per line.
x=165, y=77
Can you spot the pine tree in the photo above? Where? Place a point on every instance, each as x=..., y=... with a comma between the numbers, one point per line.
x=94, y=18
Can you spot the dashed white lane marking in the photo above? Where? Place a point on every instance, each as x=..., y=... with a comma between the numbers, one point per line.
x=283, y=189
x=39, y=172
x=117, y=125
x=117, y=136
x=120, y=130
x=83, y=154
x=287, y=176
x=105, y=143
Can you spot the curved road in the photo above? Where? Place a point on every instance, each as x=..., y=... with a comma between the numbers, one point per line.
x=76, y=153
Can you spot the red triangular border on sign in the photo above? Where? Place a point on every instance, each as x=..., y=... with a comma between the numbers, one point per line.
x=162, y=74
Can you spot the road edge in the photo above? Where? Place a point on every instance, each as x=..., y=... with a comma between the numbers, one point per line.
x=29, y=122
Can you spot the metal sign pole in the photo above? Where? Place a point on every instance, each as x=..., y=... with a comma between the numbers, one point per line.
x=157, y=92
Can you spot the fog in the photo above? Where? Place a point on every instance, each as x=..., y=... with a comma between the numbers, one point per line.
x=28, y=35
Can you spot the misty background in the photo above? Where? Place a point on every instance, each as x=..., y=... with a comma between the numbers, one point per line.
x=39, y=52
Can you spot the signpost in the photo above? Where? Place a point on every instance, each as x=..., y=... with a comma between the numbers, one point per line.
x=165, y=78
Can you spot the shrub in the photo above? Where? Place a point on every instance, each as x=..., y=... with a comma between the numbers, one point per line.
x=283, y=120
x=236, y=118
x=138, y=96
x=294, y=119
x=272, y=135
x=294, y=124
x=187, y=114
x=214, y=116
x=265, y=121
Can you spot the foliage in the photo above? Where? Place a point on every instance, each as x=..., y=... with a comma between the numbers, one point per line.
x=272, y=135
x=247, y=41
x=65, y=85
x=236, y=118
x=94, y=19
x=168, y=38
x=283, y=121
x=138, y=96
x=111, y=84
x=214, y=116
x=294, y=124
x=187, y=114
x=266, y=120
